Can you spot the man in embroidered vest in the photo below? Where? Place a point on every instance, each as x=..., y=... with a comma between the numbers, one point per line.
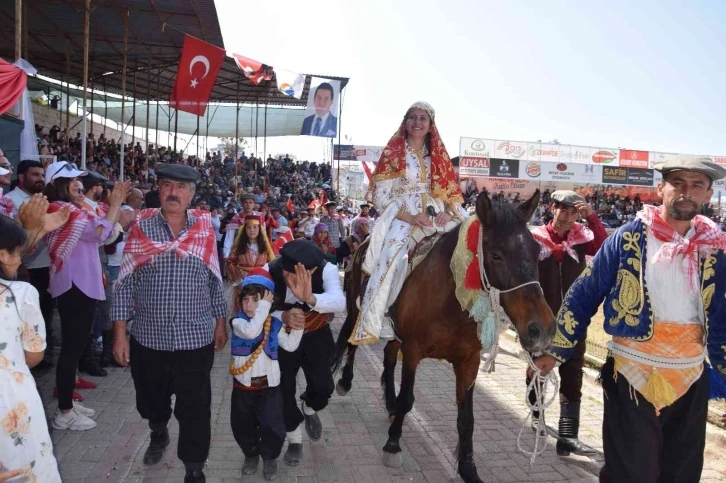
x=565, y=244
x=308, y=289
x=663, y=279
x=170, y=272
x=256, y=417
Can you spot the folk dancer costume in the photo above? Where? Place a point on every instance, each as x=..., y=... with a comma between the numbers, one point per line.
x=561, y=261
x=256, y=416
x=405, y=180
x=664, y=307
x=176, y=287
x=236, y=223
x=236, y=265
x=317, y=345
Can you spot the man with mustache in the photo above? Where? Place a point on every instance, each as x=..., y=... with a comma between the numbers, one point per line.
x=565, y=244
x=663, y=277
x=170, y=273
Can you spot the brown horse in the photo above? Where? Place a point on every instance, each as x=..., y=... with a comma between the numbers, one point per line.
x=446, y=331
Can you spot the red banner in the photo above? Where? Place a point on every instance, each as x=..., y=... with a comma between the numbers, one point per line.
x=12, y=85
x=633, y=159
x=198, y=68
x=255, y=71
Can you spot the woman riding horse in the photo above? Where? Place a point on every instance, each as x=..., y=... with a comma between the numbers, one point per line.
x=413, y=175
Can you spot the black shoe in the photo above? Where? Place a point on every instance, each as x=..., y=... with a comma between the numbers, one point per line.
x=569, y=427
x=195, y=476
x=293, y=455
x=269, y=469
x=313, y=426
x=89, y=362
x=159, y=442
x=250, y=466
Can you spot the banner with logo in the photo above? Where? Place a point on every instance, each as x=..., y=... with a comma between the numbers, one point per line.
x=504, y=168
x=351, y=152
x=562, y=172
x=321, y=115
x=471, y=166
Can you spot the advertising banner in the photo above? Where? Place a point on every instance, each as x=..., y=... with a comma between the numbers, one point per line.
x=633, y=159
x=351, y=152
x=470, y=166
x=476, y=147
x=640, y=177
x=321, y=115
x=503, y=168
x=562, y=172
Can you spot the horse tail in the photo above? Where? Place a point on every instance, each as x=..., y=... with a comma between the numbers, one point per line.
x=342, y=346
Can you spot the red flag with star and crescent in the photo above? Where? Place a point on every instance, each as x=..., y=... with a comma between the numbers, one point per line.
x=198, y=68
x=255, y=71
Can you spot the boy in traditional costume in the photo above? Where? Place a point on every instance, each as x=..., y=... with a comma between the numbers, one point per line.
x=256, y=417
x=663, y=277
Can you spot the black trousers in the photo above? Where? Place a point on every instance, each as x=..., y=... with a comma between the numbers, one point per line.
x=76, y=311
x=641, y=447
x=313, y=355
x=159, y=374
x=570, y=376
x=257, y=422
x=40, y=279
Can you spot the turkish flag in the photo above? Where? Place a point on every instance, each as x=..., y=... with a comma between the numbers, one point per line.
x=290, y=206
x=255, y=71
x=198, y=68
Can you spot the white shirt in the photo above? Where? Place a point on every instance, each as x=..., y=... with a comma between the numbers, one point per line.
x=216, y=223
x=40, y=257
x=331, y=301
x=323, y=120
x=310, y=227
x=263, y=366
x=114, y=260
x=671, y=296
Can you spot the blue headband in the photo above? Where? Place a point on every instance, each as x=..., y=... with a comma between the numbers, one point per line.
x=259, y=280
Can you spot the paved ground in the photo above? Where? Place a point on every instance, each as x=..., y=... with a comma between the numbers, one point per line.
x=355, y=428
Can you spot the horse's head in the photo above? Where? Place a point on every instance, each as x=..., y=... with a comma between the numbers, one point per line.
x=511, y=256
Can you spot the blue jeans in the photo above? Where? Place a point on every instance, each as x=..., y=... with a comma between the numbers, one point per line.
x=102, y=320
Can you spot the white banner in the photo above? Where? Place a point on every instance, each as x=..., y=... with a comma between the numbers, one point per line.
x=561, y=172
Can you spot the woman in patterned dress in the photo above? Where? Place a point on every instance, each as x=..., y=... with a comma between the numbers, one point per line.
x=413, y=174
x=25, y=444
x=250, y=249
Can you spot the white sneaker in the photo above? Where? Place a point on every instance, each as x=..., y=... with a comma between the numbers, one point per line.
x=88, y=412
x=387, y=329
x=73, y=420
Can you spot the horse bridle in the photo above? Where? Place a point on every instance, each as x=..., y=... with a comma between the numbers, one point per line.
x=483, y=273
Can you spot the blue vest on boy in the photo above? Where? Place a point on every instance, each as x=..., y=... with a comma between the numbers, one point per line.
x=244, y=347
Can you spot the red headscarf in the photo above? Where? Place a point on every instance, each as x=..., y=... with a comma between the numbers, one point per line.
x=393, y=161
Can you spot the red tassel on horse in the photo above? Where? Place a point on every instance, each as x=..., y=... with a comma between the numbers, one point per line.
x=472, y=280
x=472, y=236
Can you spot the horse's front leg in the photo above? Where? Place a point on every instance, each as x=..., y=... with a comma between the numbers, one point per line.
x=465, y=377
x=404, y=402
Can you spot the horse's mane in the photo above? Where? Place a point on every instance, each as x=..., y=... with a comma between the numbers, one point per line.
x=507, y=217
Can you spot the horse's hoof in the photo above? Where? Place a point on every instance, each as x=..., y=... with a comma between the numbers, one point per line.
x=392, y=460
x=340, y=388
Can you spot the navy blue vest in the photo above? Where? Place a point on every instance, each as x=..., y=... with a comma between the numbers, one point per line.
x=244, y=347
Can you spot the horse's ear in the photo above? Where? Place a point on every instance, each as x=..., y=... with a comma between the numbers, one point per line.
x=527, y=208
x=484, y=209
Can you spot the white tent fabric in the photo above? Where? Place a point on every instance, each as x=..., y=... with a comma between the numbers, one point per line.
x=28, y=141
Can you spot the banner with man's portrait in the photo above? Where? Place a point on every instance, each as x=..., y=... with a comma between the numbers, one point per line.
x=321, y=115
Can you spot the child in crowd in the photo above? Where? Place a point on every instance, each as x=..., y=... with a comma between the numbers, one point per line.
x=257, y=422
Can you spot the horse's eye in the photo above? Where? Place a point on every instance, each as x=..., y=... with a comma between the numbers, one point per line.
x=496, y=257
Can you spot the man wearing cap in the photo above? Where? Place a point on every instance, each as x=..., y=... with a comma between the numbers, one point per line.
x=334, y=224
x=307, y=288
x=281, y=221
x=365, y=213
x=170, y=272
x=564, y=246
x=248, y=208
x=662, y=277
x=308, y=225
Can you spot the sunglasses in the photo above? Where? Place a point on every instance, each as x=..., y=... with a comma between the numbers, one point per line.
x=66, y=167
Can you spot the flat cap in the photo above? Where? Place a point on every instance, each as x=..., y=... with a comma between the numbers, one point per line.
x=177, y=172
x=692, y=163
x=330, y=203
x=301, y=251
x=365, y=205
x=247, y=196
x=566, y=197
x=92, y=178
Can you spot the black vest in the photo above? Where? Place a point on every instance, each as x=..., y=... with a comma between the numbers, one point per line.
x=556, y=278
x=275, y=268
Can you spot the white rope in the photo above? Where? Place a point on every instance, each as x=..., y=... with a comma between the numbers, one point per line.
x=538, y=385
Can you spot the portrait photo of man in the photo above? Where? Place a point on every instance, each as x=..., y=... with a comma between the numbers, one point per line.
x=322, y=122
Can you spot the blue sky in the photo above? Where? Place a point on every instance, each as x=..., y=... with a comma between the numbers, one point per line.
x=639, y=75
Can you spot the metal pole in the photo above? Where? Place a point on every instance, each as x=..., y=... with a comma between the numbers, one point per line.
x=257, y=124
x=156, y=126
x=264, y=155
x=105, y=104
x=92, y=96
x=176, y=125
x=123, y=93
x=25, y=30
x=18, y=27
x=86, y=31
x=198, y=136
x=206, y=136
x=340, y=124
x=68, y=96
x=236, y=146
x=148, y=108
x=133, y=117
